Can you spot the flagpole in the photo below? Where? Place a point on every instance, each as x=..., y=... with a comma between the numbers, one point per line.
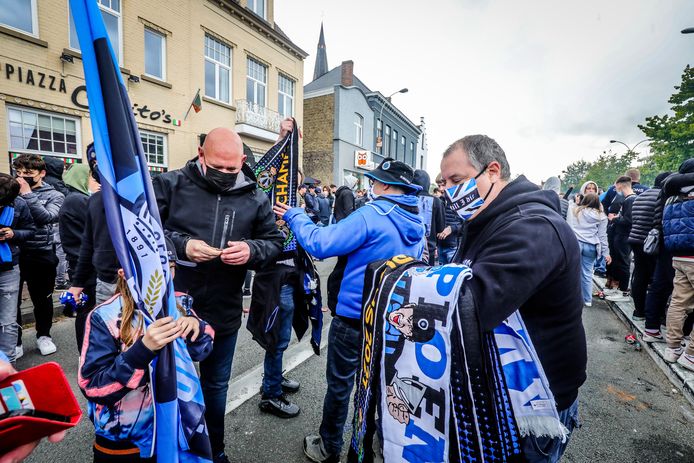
x=191, y=105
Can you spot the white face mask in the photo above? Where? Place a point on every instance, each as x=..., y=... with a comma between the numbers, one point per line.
x=372, y=195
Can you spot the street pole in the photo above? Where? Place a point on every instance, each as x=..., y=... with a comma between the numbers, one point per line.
x=689, y=30
x=379, y=140
x=630, y=150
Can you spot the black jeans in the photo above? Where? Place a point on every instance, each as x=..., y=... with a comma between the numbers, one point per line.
x=82, y=312
x=38, y=270
x=660, y=290
x=644, y=266
x=621, y=260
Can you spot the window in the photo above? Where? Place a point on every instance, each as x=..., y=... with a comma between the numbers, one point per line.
x=358, y=129
x=20, y=15
x=43, y=133
x=412, y=154
x=256, y=81
x=379, y=134
x=403, y=148
x=154, y=146
x=217, y=70
x=257, y=7
x=386, y=142
x=111, y=14
x=394, y=145
x=285, y=101
x=155, y=54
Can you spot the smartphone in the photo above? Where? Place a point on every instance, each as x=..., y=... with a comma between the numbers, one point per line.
x=35, y=414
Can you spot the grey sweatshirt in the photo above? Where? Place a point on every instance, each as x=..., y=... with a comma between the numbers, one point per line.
x=590, y=226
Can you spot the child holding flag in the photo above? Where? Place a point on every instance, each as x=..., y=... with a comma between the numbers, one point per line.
x=114, y=365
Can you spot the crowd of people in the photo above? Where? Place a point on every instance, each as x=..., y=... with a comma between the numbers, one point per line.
x=529, y=248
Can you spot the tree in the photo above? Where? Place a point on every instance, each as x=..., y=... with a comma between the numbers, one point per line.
x=673, y=135
x=574, y=174
x=608, y=167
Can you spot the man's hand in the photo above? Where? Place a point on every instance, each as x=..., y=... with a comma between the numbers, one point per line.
x=160, y=333
x=286, y=126
x=21, y=452
x=189, y=325
x=611, y=216
x=237, y=253
x=6, y=234
x=608, y=260
x=75, y=291
x=199, y=251
x=24, y=187
x=280, y=209
x=444, y=233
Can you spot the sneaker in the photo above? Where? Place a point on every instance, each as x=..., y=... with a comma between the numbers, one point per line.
x=280, y=407
x=290, y=386
x=638, y=316
x=654, y=336
x=314, y=450
x=588, y=304
x=18, y=352
x=221, y=458
x=619, y=296
x=610, y=291
x=600, y=274
x=671, y=355
x=45, y=345
x=687, y=361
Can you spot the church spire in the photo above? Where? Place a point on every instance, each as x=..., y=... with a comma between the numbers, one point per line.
x=321, y=66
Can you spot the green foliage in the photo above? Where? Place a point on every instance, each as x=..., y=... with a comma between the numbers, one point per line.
x=603, y=171
x=574, y=174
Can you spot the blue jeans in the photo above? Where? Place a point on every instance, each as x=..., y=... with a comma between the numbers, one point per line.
x=601, y=265
x=9, y=329
x=446, y=254
x=215, y=372
x=272, y=381
x=344, y=352
x=547, y=449
x=588, y=254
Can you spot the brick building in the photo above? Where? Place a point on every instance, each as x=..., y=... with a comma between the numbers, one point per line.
x=248, y=72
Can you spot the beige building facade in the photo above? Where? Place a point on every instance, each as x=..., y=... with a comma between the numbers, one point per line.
x=248, y=73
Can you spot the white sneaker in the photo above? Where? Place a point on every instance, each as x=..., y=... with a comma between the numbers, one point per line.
x=619, y=297
x=671, y=355
x=46, y=346
x=610, y=292
x=687, y=361
x=656, y=337
x=18, y=352
x=588, y=304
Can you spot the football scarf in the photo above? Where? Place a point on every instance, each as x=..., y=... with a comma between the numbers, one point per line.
x=445, y=391
x=6, y=218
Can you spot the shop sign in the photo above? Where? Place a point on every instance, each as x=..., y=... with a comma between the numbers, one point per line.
x=33, y=77
x=364, y=160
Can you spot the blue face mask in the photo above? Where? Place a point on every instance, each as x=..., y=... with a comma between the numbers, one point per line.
x=465, y=199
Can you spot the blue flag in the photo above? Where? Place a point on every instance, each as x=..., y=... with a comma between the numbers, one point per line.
x=138, y=238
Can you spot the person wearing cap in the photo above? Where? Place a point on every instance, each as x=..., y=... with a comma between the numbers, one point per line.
x=387, y=226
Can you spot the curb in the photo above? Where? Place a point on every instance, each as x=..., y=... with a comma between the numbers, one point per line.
x=680, y=377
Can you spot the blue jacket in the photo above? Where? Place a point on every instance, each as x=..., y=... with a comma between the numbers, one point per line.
x=678, y=213
x=116, y=380
x=379, y=230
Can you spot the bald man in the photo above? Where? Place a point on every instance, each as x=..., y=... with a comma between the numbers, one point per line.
x=218, y=219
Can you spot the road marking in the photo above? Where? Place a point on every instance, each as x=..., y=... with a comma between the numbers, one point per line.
x=247, y=385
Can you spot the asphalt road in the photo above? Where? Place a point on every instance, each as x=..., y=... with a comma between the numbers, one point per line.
x=630, y=411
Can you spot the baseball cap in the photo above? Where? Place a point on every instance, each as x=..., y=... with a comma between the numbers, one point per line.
x=392, y=172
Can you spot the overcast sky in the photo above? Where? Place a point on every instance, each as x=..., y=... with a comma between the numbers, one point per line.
x=551, y=81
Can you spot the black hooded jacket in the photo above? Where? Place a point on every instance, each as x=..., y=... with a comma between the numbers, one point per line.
x=524, y=255
x=438, y=215
x=344, y=203
x=193, y=208
x=71, y=223
x=54, y=174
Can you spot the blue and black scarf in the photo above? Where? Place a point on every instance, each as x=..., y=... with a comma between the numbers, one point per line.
x=6, y=219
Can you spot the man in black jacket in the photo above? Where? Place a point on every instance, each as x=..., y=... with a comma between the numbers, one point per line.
x=523, y=256
x=217, y=217
x=620, y=249
x=344, y=198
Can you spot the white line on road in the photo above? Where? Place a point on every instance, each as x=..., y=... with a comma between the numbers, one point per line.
x=247, y=385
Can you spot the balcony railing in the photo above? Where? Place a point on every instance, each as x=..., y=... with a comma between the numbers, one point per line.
x=258, y=116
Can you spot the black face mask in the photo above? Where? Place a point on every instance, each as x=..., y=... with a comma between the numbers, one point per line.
x=30, y=180
x=95, y=175
x=222, y=180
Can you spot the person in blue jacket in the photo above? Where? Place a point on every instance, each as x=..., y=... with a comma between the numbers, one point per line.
x=387, y=226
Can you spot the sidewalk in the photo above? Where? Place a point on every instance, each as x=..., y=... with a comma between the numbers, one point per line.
x=681, y=378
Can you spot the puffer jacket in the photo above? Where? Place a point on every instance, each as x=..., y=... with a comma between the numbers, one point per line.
x=116, y=380
x=678, y=213
x=44, y=204
x=383, y=228
x=642, y=214
x=22, y=226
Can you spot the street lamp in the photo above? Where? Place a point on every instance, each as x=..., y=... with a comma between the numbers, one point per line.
x=627, y=146
x=379, y=140
x=689, y=30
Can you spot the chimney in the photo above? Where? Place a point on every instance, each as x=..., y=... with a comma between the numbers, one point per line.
x=347, y=68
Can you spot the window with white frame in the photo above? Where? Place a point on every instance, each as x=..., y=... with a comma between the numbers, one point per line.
x=403, y=148
x=257, y=7
x=155, y=54
x=20, y=15
x=379, y=134
x=217, y=70
x=386, y=142
x=154, y=146
x=394, y=145
x=111, y=14
x=44, y=133
x=285, y=101
x=358, y=129
x=412, y=153
x=256, y=82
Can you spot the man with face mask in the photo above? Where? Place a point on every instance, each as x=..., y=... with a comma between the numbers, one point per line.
x=223, y=224
x=523, y=256
x=37, y=260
